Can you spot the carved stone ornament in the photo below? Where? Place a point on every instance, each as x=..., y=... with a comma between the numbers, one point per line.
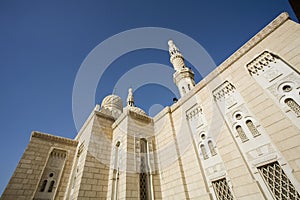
x=261, y=63
x=224, y=90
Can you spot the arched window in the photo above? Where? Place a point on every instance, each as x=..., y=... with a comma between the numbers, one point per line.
x=241, y=133
x=211, y=148
x=293, y=105
x=203, y=151
x=43, y=186
x=51, y=186
x=252, y=128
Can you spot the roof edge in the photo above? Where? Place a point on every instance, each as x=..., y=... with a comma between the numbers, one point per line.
x=262, y=34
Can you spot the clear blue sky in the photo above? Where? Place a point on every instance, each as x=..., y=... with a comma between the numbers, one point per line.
x=43, y=43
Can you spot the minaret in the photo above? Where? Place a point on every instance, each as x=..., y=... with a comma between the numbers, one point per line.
x=183, y=76
x=130, y=98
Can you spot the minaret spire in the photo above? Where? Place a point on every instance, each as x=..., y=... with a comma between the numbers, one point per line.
x=183, y=76
x=130, y=98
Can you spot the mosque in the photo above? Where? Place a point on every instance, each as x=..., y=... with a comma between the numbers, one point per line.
x=233, y=135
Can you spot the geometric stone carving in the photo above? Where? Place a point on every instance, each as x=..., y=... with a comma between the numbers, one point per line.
x=195, y=117
x=222, y=189
x=261, y=63
x=278, y=182
x=223, y=91
x=193, y=112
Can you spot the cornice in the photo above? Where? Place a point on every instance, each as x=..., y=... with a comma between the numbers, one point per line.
x=53, y=138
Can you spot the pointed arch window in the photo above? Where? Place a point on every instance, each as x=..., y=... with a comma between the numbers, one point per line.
x=203, y=151
x=252, y=128
x=241, y=133
x=211, y=148
x=293, y=105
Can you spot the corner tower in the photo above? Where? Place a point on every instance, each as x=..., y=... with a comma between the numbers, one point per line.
x=183, y=76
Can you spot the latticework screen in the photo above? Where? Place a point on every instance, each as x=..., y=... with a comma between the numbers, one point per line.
x=222, y=189
x=278, y=182
x=143, y=181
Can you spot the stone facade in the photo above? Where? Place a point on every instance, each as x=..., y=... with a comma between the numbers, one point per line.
x=234, y=135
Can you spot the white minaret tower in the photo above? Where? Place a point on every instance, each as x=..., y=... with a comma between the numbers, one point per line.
x=183, y=76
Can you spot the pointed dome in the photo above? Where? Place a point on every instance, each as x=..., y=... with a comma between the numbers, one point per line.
x=112, y=102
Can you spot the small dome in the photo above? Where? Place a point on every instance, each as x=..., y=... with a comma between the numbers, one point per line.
x=112, y=102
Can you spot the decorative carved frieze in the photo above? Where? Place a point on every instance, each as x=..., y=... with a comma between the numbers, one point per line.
x=194, y=111
x=224, y=90
x=260, y=63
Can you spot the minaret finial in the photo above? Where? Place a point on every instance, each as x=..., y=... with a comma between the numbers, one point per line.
x=130, y=98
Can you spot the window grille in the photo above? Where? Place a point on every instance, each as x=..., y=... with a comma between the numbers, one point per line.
x=241, y=133
x=143, y=173
x=143, y=181
x=278, y=182
x=222, y=189
x=252, y=128
x=293, y=106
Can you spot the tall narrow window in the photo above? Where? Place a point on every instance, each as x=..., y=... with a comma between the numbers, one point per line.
x=189, y=86
x=241, y=133
x=222, y=189
x=115, y=178
x=51, y=186
x=252, y=128
x=293, y=105
x=43, y=186
x=143, y=175
x=183, y=90
x=203, y=151
x=212, y=148
x=278, y=182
